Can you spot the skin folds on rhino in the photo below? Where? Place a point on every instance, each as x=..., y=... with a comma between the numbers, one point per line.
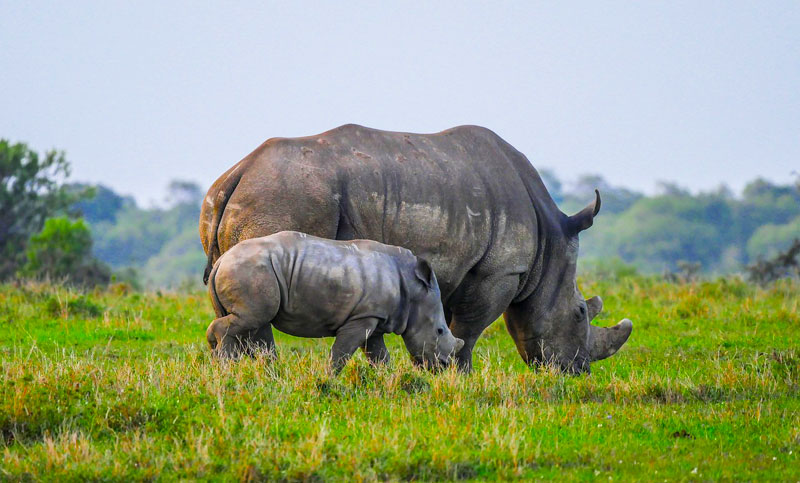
x=305, y=286
x=463, y=199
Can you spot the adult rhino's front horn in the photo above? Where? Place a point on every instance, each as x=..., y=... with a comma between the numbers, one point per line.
x=605, y=341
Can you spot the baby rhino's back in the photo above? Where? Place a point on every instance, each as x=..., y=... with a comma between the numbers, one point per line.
x=318, y=284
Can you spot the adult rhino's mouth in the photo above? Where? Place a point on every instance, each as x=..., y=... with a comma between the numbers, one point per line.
x=572, y=367
x=603, y=342
x=536, y=354
x=577, y=367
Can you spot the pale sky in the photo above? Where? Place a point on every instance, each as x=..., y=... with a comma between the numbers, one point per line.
x=139, y=93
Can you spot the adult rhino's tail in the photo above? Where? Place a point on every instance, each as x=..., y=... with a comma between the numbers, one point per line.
x=220, y=199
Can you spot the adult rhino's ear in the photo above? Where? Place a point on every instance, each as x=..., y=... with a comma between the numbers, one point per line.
x=583, y=219
x=424, y=272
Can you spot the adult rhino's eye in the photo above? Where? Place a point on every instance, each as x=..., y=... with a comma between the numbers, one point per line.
x=440, y=331
x=583, y=311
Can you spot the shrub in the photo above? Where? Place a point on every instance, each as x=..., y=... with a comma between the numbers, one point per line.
x=77, y=306
x=62, y=250
x=784, y=264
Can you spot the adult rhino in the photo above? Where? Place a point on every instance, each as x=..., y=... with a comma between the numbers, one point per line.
x=463, y=199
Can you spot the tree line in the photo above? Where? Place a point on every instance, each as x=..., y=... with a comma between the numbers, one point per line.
x=89, y=234
x=718, y=230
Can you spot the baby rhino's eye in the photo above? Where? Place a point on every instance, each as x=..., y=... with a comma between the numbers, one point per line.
x=440, y=331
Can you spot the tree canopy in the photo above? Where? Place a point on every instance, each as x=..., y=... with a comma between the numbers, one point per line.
x=31, y=190
x=716, y=229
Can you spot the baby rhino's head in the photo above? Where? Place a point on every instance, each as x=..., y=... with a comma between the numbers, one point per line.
x=427, y=336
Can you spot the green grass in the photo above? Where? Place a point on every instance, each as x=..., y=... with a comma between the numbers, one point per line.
x=116, y=386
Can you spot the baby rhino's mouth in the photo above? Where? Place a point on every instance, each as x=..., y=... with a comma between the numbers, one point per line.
x=440, y=362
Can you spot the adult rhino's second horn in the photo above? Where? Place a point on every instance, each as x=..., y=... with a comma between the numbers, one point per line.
x=606, y=341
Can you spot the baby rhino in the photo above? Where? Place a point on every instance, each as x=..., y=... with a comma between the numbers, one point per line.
x=306, y=286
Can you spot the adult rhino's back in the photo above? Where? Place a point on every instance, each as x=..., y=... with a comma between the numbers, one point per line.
x=448, y=196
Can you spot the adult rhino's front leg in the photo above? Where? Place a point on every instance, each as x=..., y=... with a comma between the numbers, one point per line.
x=484, y=302
x=468, y=333
x=352, y=335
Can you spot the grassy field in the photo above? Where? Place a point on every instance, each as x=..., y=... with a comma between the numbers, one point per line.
x=115, y=385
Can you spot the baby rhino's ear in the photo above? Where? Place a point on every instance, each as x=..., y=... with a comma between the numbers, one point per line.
x=424, y=273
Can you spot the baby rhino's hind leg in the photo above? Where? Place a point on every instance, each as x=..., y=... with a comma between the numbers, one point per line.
x=218, y=339
x=261, y=340
x=250, y=293
x=230, y=336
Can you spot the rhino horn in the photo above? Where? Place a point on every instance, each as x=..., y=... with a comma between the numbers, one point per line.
x=594, y=306
x=606, y=341
x=583, y=219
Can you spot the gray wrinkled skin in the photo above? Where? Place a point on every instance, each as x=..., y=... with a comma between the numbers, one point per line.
x=463, y=199
x=305, y=286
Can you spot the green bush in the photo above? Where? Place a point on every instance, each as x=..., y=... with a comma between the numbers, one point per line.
x=31, y=190
x=62, y=250
x=75, y=306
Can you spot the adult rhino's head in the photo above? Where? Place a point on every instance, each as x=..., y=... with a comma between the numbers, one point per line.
x=552, y=325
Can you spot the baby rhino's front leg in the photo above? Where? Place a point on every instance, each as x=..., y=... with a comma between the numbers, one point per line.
x=352, y=335
x=375, y=350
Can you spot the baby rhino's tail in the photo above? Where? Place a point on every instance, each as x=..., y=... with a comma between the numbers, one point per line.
x=218, y=308
x=212, y=292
